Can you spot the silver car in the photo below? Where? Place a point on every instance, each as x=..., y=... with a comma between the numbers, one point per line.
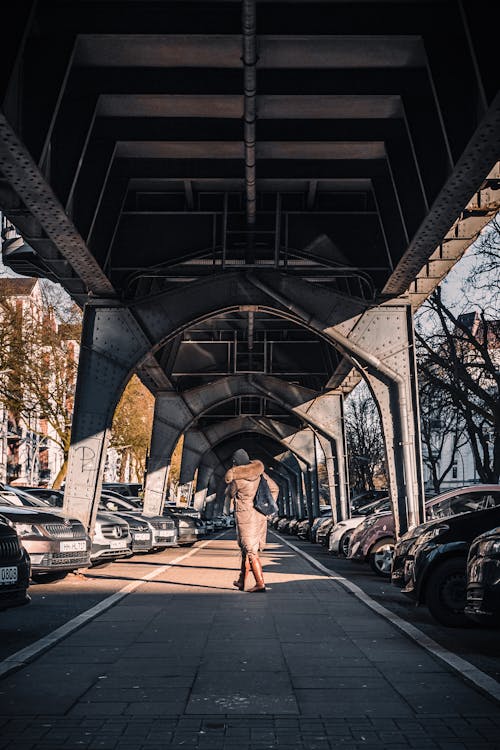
x=162, y=528
x=54, y=542
x=112, y=538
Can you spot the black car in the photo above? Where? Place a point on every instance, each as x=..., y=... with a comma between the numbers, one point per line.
x=437, y=563
x=444, y=505
x=14, y=568
x=483, y=578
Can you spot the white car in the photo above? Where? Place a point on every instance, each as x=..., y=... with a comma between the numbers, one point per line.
x=340, y=535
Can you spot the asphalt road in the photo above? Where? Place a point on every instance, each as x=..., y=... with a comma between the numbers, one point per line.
x=54, y=603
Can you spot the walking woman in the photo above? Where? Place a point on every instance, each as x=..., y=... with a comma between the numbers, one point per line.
x=251, y=526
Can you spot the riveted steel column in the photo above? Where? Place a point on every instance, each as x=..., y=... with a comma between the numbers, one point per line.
x=171, y=416
x=328, y=447
x=380, y=345
x=388, y=333
x=195, y=445
x=302, y=442
x=111, y=343
x=205, y=473
x=328, y=410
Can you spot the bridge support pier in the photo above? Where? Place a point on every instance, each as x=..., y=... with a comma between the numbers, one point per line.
x=111, y=342
x=167, y=428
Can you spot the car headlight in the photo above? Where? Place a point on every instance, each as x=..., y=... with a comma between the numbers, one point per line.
x=489, y=547
x=431, y=533
x=28, y=529
x=404, y=545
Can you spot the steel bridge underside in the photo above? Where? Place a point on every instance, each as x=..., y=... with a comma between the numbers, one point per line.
x=248, y=199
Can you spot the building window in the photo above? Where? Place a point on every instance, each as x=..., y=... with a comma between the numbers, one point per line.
x=454, y=470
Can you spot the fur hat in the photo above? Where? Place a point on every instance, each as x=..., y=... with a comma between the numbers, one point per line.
x=240, y=458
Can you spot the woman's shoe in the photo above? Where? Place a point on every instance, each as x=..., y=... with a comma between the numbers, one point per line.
x=241, y=580
x=260, y=586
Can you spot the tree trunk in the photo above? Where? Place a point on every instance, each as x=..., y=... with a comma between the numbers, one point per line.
x=61, y=475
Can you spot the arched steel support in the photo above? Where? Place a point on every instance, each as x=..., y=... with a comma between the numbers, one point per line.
x=380, y=345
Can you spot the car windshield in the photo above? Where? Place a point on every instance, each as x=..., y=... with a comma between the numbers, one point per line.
x=113, y=503
x=375, y=507
x=23, y=499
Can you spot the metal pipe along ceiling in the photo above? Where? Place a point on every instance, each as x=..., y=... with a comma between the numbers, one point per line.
x=250, y=103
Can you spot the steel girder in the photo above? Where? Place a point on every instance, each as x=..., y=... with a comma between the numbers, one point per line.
x=177, y=413
x=380, y=345
x=116, y=339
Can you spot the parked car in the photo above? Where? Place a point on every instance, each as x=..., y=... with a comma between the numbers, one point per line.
x=292, y=526
x=450, y=503
x=14, y=568
x=317, y=521
x=127, y=489
x=373, y=542
x=323, y=532
x=374, y=539
x=111, y=538
x=483, y=578
x=341, y=532
x=209, y=525
x=436, y=564
x=282, y=525
x=56, y=544
x=303, y=529
x=52, y=497
x=187, y=531
x=163, y=530
x=135, y=502
x=366, y=497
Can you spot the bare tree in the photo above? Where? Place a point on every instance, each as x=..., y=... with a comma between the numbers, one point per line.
x=365, y=445
x=442, y=431
x=460, y=357
x=484, y=276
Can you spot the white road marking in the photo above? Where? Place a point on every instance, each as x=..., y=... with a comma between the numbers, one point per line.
x=467, y=670
x=27, y=654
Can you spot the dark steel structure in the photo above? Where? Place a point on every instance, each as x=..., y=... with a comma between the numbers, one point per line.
x=248, y=198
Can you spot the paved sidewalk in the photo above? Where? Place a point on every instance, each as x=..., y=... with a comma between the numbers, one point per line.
x=188, y=661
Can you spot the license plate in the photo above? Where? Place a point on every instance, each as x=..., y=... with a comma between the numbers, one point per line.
x=8, y=575
x=142, y=536
x=79, y=546
x=164, y=535
x=118, y=543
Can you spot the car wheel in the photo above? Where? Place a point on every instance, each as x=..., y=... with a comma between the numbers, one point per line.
x=380, y=558
x=344, y=544
x=446, y=593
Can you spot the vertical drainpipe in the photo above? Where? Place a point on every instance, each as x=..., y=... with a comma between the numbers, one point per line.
x=249, y=60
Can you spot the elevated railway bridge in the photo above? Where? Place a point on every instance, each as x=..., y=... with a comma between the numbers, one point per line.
x=249, y=200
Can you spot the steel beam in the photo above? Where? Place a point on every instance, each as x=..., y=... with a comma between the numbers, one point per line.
x=18, y=167
x=111, y=340
x=380, y=345
x=169, y=418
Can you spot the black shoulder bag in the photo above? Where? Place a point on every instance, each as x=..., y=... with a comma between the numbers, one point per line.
x=264, y=501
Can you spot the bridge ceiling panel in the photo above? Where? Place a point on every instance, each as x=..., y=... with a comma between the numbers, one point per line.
x=248, y=343
x=134, y=115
